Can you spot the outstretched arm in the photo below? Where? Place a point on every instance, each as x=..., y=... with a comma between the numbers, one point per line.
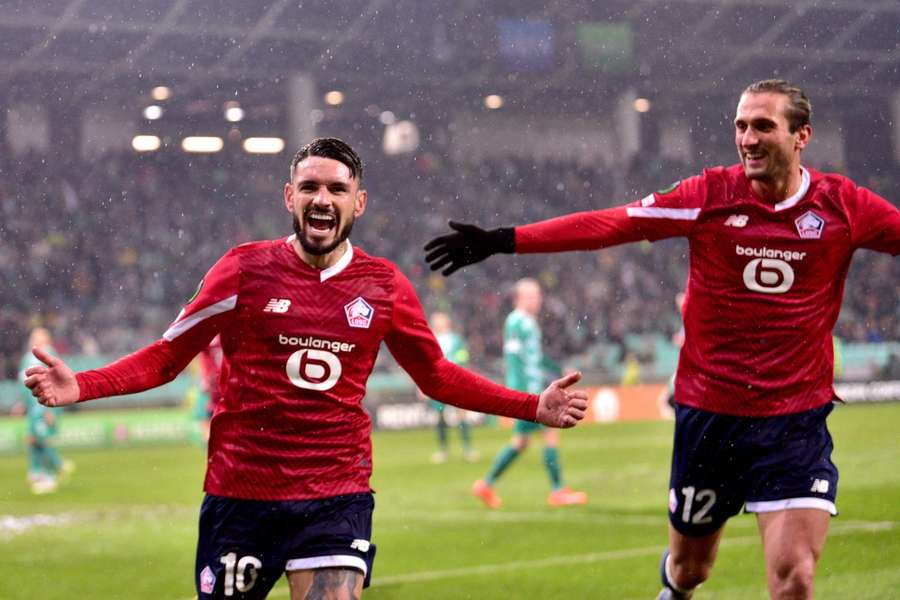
x=667, y=213
x=415, y=348
x=578, y=231
x=57, y=385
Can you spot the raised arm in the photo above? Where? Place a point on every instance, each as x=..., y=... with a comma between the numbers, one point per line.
x=668, y=213
x=415, y=348
x=54, y=384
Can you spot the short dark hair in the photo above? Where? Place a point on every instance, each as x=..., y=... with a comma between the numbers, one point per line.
x=333, y=148
x=799, y=110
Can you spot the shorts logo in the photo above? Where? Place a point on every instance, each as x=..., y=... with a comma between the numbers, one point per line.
x=207, y=580
x=673, y=501
x=820, y=486
x=359, y=313
x=277, y=305
x=361, y=545
x=810, y=225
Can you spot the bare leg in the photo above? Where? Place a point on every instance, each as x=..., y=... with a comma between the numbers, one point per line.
x=691, y=558
x=326, y=584
x=793, y=541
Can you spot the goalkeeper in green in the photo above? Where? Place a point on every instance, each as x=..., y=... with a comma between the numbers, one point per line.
x=526, y=370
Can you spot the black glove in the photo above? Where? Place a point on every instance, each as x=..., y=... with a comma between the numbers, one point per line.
x=470, y=244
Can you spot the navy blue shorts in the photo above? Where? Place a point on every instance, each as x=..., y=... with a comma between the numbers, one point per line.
x=245, y=545
x=723, y=463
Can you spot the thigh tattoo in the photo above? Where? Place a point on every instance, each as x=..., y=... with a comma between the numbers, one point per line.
x=334, y=584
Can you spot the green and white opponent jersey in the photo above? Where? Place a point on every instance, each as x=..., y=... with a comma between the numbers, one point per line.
x=453, y=347
x=35, y=411
x=522, y=353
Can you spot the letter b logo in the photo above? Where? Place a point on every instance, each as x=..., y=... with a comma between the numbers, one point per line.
x=768, y=275
x=313, y=369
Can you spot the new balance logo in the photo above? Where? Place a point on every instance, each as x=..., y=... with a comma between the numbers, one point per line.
x=361, y=545
x=736, y=221
x=819, y=486
x=277, y=305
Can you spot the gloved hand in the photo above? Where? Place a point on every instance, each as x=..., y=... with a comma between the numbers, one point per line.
x=470, y=244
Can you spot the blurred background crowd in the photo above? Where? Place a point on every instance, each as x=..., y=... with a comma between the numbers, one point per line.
x=106, y=251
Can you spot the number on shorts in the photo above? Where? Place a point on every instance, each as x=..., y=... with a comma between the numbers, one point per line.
x=240, y=574
x=700, y=517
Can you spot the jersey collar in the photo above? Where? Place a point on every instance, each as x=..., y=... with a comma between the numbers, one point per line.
x=340, y=265
x=793, y=200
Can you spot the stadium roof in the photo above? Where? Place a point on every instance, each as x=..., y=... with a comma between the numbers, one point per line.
x=110, y=47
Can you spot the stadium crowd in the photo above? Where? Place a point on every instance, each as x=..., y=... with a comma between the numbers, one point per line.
x=105, y=251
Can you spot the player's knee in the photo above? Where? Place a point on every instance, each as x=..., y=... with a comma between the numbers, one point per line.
x=520, y=442
x=689, y=572
x=792, y=578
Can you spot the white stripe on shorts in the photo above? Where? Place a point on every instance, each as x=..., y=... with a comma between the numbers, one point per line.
x=789, y=503
x=323, y=562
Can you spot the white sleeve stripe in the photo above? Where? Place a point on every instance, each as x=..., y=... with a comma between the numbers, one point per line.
x=180, y=326
x=683, y=214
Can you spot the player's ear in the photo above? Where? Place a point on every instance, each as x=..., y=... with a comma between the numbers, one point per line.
x=804, y=134
x=359, y=206
x=289, y=196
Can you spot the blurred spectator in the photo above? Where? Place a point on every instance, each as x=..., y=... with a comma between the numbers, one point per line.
x=131, y=235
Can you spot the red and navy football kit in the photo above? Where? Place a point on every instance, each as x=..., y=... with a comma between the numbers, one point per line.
x=290, y=433
x=210, y=360
x=763, y=294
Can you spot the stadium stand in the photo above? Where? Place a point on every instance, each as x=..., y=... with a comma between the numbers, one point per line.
x=123, y=241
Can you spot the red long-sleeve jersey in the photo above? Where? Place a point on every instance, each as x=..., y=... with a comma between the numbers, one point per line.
x=765, y=282
x=298, y=346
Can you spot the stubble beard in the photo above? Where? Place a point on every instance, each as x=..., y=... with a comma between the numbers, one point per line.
x=315, y=249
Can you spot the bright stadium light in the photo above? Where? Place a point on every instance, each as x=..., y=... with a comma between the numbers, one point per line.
x=263, y=145
x=387, y=118
x=641, y=105
x=199, y=143
x=153, y=112
x=161, y=93
x=493, y=101
x=233, y=114
x=145, y=143
x=334, y=98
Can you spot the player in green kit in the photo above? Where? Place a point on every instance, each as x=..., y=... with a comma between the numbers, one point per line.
x=44, y=462
x=454, y=348
x=526, y=371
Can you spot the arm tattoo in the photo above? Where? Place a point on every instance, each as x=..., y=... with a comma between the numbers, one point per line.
x=334, y=584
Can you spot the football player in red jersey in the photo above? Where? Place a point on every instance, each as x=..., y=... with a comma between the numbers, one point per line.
x=770, y=246
x=300, y=320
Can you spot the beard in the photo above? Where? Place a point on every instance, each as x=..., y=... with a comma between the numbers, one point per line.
x=315, y=248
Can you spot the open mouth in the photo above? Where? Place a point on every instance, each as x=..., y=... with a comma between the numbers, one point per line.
x=321, y=221
x=754, y=158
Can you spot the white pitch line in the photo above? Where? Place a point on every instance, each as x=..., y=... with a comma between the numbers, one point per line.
x=593, y=557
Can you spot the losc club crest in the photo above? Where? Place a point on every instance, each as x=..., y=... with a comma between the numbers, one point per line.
x=359, y=313
x=810, y=225
x=207, y=580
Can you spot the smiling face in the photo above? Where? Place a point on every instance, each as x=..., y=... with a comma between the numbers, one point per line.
x=324, y=199
x=769, y=150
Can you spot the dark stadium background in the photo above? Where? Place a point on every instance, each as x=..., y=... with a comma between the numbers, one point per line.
x=104, y=243
x=493, y=112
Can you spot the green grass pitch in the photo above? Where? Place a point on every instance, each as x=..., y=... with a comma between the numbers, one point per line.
x=125, y=525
